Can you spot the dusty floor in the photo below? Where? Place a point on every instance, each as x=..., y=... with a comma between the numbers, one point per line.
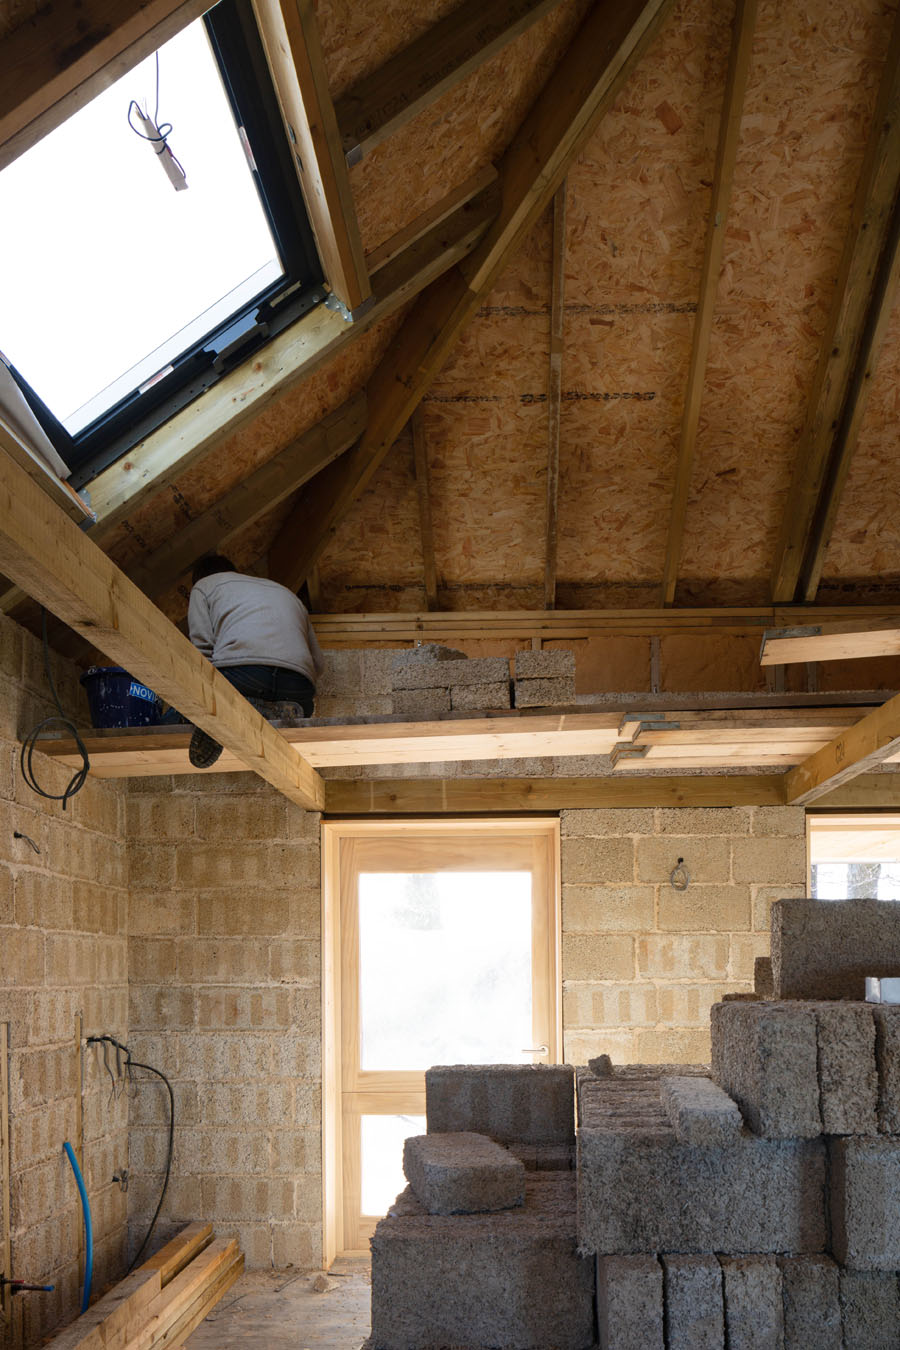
x=282, y=1310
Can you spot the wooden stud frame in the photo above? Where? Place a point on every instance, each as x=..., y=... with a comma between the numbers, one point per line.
x=348, y=1091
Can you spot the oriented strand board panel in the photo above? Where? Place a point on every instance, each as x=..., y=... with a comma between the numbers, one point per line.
x=812, y=87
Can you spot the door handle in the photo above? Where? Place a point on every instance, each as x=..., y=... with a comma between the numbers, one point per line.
x=535, y=1050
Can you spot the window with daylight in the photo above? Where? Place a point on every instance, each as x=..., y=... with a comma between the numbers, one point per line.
x=855, y=857
x=152, y=240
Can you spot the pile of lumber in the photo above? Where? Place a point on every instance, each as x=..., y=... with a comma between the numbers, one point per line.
x=164, y=1300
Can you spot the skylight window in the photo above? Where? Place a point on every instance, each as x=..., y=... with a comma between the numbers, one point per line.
x=116, y=287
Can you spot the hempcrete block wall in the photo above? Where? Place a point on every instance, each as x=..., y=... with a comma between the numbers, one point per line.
x=63, y=949
x=224, y=995
x=643, y=963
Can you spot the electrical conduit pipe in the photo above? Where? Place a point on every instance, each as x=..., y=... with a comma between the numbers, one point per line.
x=88, y=1227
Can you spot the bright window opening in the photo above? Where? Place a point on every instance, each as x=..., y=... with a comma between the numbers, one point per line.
x=855, y=857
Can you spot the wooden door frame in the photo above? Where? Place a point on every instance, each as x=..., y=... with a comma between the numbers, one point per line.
x=335, y=835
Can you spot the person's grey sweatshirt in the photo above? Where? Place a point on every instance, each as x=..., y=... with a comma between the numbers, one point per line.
x=239, y=620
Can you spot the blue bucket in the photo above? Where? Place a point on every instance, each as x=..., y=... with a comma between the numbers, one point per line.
x=116, y=700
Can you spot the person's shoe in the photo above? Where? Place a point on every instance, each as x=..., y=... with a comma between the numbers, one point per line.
x=203, y=751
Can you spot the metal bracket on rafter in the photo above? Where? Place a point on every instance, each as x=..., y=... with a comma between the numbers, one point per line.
x=348, y=315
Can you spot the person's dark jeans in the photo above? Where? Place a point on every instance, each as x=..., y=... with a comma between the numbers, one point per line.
x=275, y=684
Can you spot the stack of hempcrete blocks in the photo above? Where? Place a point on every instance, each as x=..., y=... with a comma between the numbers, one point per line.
x=763, y=1208
x=479, y=1250
x=430, y=680
x=544, y=679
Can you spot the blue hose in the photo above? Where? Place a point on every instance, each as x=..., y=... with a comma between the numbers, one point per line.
x=88, y=1227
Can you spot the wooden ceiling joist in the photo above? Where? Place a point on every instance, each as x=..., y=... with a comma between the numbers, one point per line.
x=271, y=483
x=58, y=566
x=862, y=747
x=554, y=392
x=423, y=495
x=410, y=80
x=865, y=287
x=584, y=85
x=69, y=52
x=743, y=27
x=293, y=50
x=836, y=642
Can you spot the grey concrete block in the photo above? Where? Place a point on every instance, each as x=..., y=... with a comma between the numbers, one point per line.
x=763, y=985
x=641, y=1190
x=550, y=665
x=508, y=1281
x=421, y=703
x=870, y=1310
x=473, y=697
x=865, y=1202
x=630, y=1303
x=700, y=1112
x=754, y=1314
x=812, y=1310
x=824, y=949
x=694, y=1308
x=423, y=654
x=544, y=693
x=848, y=1082
x=462, y=1173
x=545, y=1157
x=444, y=674
x=764, y=1056
x=887, y=1060
x=510, y=1103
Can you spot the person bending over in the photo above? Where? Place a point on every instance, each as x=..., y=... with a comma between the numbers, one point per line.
x=258, y=634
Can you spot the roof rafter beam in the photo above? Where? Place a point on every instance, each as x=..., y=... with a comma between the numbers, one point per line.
x=382, y=102
x=860, y=748
x=554, y=399
x=423, y=493
x=856, y=323
x=744, y=24
x=69, y=52
x=584, y=85
x=54, y=562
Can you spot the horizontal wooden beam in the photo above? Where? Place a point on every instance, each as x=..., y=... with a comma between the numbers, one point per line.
x=61, y=568
x=68, y=52
x=860, y=748
x=868, y=792
x=836, y=642
x=163, y=750
x=383, y=101
x=358, y=630
x=435, y=796
x=270, y=484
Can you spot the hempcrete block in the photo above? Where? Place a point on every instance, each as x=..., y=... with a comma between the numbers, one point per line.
x=763, y=986
x=848, y=1081
x=870, y=1310
x=462, y=1173
x=552, y=665
x=811, y=1300
x=865, y=1202
x=764, y=1056
x=823, y=949
x=754, y=1314
x=694, y=1309
x=507, y=1281
x=510, y=1103
x=544, y=693
x=476, y=696
x=641, y=1190
x=700, y=1112
x=887, y=1059
x=630, y=1303
x=445, y=674
x=421, y=703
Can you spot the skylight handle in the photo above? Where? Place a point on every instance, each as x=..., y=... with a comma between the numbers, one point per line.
x=174, y=172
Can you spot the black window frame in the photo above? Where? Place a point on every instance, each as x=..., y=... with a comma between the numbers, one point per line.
x=237, y=47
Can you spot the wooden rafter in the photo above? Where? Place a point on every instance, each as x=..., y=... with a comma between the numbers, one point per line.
x=423, y=493
x=293, y=49
x=854, y=325
x=834, y=642
x=554, y=392
x=584, y=85
x=186, y=439
x=743, y=28
x=270, y=484
x=862, y=747
x=54, y=562
x=440, y=796
x=69, y=52
x=409, y=81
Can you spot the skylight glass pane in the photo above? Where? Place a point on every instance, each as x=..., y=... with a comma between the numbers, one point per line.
x=107, y=273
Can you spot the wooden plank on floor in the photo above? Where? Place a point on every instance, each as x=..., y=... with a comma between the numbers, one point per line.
x=171, y=1259
x=112, y=1318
